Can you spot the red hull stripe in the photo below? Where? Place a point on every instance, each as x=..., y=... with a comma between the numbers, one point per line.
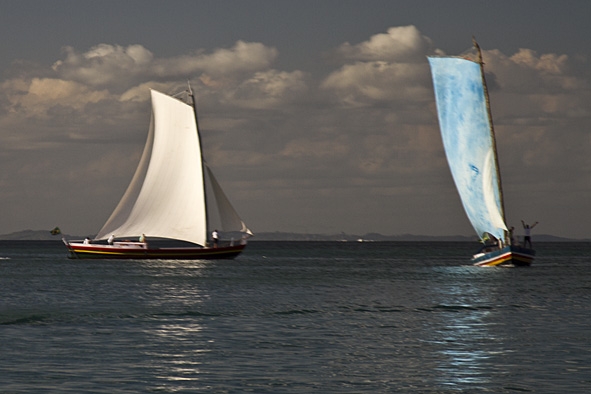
x=509, y=257
x=108, y=252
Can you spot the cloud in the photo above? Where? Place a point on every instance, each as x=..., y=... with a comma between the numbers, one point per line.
x=399, y=44
x=243, y=57
x=37, y=97
x=548, y=63
x=114, y=66
x=532, y=89
x=241, y=75
x=366, y=83
x=387, y=67
x=104, y=64
x=94, y=94
x=528, y=72
x=269, y=89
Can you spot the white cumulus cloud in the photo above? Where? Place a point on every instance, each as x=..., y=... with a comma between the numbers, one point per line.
x=404, y=43
x=115, y=66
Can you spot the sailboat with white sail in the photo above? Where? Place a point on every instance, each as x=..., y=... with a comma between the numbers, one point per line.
x=164, y=212
x=468, y=135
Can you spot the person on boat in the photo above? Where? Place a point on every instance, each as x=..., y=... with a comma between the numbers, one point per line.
x=511, y=239
x=111, y=239
x=142, y=238
x=527, y=233
x=86, y=241
x=216, y=237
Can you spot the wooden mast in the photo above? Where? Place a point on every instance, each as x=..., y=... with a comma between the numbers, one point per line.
x=492, y=133
x=194, y=105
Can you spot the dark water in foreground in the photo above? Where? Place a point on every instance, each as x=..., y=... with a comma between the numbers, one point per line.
x=296, y=318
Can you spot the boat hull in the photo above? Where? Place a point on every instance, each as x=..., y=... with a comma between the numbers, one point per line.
x=139, y=251
x=512, y=255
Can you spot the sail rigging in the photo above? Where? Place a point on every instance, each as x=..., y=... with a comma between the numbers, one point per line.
x=196, y=116
x=229, y=218
x=468, y=139
x=492, y=127
x=166, y=197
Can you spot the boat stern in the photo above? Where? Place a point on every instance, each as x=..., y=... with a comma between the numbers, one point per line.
x=509, y=256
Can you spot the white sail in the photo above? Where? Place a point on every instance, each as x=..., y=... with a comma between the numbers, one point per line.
x=166, y=197
x=229, y=218
x=489, y=192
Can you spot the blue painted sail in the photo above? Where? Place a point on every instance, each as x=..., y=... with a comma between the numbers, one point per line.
x=467, y=138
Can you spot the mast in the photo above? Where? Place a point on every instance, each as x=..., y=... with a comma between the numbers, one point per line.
x=194, y=105
x=492, y=132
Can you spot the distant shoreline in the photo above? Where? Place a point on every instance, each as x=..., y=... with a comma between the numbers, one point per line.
x=45, y=235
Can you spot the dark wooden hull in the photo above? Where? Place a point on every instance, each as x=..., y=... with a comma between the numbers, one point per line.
x=137, y=251
x=512, y=255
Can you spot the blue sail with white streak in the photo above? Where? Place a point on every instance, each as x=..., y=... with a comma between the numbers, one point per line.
x=468, y=142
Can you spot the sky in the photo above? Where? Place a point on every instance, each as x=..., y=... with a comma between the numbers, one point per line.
x=315, y=116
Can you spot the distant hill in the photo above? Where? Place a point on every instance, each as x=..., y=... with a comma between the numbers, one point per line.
x=40, y=235
x=281, y=236
x=370, y=237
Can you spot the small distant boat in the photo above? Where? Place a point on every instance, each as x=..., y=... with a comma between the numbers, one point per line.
x=164, y=212
x=467, y=131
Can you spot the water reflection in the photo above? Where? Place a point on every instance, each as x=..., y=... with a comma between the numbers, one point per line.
x=463, y=336
x=177, y=353
x=177, y=345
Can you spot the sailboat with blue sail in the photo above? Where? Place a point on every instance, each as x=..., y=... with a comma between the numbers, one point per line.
x=465, y=121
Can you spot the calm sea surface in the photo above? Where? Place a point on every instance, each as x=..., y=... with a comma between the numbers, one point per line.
x=296, y=317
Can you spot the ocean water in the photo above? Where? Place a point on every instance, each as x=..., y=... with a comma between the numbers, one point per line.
x=296, y=317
